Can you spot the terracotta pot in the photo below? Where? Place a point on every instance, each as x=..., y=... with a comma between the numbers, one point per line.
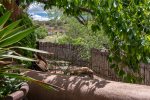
x=20, y=94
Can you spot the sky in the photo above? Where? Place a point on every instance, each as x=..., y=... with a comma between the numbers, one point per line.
x=36, y=11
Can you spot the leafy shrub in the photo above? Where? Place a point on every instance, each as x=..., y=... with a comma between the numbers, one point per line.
x=78, y=34
x=8, y=85
x=41, y=32
x=70, y=40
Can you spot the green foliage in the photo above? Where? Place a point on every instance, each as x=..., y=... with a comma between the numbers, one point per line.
x=29, y=41
x=2, y=9
x=41, y=32
x=54, y=13
x=69, y=40
x=7, y=39
x=8, y=85
x=127, y=25
x=78, y=34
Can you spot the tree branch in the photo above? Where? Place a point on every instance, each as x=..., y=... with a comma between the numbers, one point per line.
x=82, y=22
x=86, y=10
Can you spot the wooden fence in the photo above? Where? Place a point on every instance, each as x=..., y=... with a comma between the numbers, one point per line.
x=65, y=52
x=98, y=62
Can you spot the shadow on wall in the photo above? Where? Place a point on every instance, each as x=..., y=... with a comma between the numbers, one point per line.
x=75, y=84
x=81, y=88
x=75, y=88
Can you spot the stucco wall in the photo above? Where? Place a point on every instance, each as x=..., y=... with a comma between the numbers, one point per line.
x=79, y=88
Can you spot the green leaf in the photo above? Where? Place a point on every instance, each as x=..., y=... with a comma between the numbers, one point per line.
x=14, y=31
x=113, y=65
x=4, y=19
x=110, y=2
x=15, y=38
x=18, y=57
x=29, y=79
x=34, y=50
x=121, y=73
x=95, y=28
x=7, y=30
x=110, y=59
x=115, y=3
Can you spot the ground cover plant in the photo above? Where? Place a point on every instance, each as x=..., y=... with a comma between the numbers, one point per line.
x=9, y=85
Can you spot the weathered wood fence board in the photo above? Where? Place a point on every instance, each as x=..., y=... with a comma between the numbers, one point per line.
x=145, y=73
x=63, y=52
x=98, y=61
x=100, y=64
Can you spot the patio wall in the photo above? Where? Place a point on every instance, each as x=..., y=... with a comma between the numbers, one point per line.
x=81, y=88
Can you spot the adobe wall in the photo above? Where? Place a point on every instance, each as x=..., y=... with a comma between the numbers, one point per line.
x=79, y=88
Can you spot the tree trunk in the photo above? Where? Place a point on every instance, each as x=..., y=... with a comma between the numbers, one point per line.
x=13, y=7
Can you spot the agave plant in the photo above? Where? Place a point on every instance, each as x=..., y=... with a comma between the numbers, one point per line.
x=9, y=35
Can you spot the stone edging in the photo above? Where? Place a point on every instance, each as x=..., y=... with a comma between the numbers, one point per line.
x=20, y=94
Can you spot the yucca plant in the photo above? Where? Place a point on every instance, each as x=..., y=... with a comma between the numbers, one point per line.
x=9, y=35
